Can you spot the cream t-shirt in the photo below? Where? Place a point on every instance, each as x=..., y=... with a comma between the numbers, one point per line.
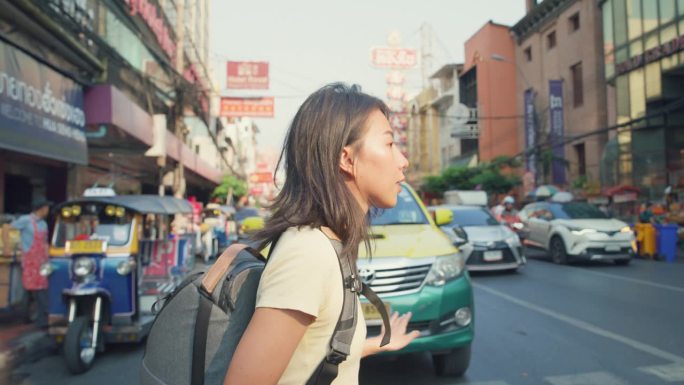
x=303, y=274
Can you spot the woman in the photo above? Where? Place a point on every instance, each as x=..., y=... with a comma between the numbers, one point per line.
x=341, y=161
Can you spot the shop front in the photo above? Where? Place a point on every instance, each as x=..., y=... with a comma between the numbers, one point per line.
x=134, y=151
x=42, y=131
x=644, y=66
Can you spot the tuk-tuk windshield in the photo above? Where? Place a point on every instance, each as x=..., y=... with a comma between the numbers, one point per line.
x=94, y=222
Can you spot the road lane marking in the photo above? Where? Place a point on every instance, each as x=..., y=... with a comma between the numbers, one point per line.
x=594, y=378
x=634, y=280
x=668, y=373
x=652, y=350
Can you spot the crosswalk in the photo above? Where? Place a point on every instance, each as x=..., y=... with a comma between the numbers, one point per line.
x=652, y=375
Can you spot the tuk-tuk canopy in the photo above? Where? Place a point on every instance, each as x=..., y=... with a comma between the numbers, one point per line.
x=152, y=204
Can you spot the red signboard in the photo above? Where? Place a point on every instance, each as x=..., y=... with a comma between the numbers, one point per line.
x=155, y=19
x=396, y=58
x=248, y=75
x=261, y=177
x=240, y=107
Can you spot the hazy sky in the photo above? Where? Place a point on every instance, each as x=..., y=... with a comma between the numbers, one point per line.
x=309, y=43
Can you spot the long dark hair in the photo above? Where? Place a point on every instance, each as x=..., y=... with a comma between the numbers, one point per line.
x=314, y=193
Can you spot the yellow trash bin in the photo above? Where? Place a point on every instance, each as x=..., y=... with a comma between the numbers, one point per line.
x=646, y=239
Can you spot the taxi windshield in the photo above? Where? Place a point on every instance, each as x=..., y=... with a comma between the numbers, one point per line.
x=93, y=222
x=407, y=211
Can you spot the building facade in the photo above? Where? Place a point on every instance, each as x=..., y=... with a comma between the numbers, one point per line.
x=457, y=123
x=488, y=85
x=423, y=148
x=644, y=65
x=560, y=90
x=120, y=105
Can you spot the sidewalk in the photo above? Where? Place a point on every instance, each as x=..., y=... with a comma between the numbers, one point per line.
x=19, y=343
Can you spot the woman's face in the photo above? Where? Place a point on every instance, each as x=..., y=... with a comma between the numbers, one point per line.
x=379, y=165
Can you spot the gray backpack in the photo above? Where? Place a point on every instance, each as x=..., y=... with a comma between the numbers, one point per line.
x=200, y=324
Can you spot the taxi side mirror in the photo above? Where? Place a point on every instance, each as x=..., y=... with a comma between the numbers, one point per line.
x=443, y=216
x=252, y=224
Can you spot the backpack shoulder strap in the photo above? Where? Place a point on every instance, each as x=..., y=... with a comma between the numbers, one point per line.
x=341, y=340
x=220, y=267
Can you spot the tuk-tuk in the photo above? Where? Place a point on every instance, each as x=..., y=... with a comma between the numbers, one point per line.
x=111, y=259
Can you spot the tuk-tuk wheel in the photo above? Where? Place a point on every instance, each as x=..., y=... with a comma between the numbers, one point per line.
x=78, y=352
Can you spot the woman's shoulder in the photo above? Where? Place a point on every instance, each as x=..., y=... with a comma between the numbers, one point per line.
x=305, y=243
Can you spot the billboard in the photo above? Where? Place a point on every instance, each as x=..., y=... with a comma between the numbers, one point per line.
x=247, y=75
x=235, y=107
x=557, y=130
x=41, y=111
x=394, y=58
x=261, y=177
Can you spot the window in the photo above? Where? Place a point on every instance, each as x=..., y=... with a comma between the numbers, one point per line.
x=581, y=159
x=577, y=87
x=551, y=40
x=634, y=19
x=528, y=54
x=667, y=11
x=574, y=22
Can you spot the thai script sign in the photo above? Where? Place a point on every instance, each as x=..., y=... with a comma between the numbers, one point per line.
x=395, y=58
x=41, y=111
x=247, y=75
x=252, y=107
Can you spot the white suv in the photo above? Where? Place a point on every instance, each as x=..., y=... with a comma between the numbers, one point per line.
x=577, y=231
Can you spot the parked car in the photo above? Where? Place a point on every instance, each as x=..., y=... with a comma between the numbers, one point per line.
x=494, y=245
x=577, y=231
x=414, y=267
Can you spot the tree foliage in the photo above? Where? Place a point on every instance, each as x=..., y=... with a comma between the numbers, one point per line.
x=230, y=188
x=486, y=176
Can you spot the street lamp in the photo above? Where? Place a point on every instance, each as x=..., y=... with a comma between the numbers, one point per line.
x=500, y=58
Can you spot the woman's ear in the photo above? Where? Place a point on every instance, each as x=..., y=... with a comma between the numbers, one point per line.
x=347, y=160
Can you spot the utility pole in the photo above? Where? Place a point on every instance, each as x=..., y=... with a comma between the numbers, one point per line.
x=426, y=53
x=179, y=177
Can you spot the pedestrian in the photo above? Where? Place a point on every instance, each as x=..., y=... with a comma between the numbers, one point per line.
x=34, y=245
x=340, y=161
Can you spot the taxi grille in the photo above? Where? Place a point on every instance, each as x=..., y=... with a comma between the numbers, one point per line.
x=399, y=280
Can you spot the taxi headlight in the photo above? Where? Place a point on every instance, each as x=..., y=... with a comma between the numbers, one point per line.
x=83, y=266
x=46, y=269
x=125, y=267
x=444, y=269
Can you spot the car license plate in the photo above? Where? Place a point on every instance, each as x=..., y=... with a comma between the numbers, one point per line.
x=612, y=248
x=370, y=313
x=493, y=255
x=84, y=247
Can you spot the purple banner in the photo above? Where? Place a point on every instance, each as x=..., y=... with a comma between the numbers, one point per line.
x=530, y=131
x=557, y=130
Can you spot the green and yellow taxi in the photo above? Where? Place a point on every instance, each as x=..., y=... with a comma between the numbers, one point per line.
x=414, y=267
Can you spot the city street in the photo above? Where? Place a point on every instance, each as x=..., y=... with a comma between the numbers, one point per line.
x=548, y=324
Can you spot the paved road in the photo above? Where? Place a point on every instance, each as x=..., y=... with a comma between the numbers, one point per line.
x=547, y=325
